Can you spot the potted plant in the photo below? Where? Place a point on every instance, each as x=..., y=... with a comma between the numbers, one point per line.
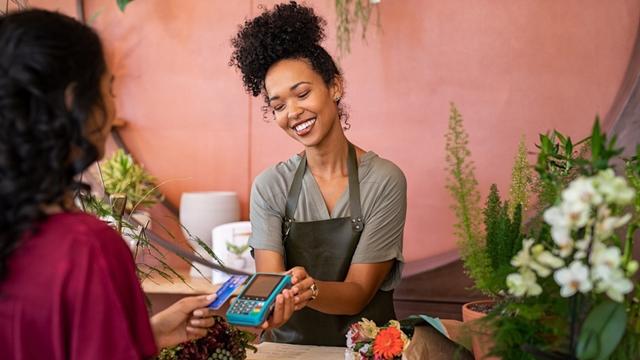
x=121, y=175
x=487, y=237
x=223, y=341
x=572, y=295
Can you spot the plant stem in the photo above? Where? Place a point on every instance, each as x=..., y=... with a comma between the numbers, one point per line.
x=628, y=245
x=573, y=333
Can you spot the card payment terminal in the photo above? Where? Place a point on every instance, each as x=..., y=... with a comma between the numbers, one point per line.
x=256, y=300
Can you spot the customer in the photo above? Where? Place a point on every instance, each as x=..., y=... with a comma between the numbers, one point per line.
x=68, y=288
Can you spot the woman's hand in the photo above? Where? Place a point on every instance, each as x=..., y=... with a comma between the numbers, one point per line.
x=302, y=283
x=282, y=311
x=187, y=319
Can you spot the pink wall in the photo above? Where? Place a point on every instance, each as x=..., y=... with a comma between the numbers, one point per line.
x=513, y=68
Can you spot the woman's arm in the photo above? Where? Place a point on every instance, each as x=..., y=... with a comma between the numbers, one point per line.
x=346, y=297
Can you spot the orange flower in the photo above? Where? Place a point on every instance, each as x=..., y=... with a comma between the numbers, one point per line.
x=388, y=344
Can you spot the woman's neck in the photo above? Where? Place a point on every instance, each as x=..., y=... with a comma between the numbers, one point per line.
x=329, y=159
x=67, y=204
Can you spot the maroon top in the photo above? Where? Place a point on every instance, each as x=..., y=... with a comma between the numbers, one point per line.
x=72, y=293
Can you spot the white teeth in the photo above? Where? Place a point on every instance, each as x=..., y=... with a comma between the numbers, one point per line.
x=305, y=125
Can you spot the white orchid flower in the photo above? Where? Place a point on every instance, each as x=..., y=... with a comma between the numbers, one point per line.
x=577, y=214
x=582, y=191
x=604, y=229
x=523, y=284
x=612, y=281
x=606, y=256
x=582, y=246
x=546, y=258
x=573, y=279
x=555, y=217
x=614, y=188
x=523, y=257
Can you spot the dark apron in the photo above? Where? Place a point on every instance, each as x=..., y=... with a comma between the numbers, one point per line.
x=325, y=249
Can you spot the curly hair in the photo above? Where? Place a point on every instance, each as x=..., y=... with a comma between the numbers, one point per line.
x=288, y=31
x=42, y=54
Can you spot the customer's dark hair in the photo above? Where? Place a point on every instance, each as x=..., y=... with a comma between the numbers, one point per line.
x=288, y=31
x=42, y=55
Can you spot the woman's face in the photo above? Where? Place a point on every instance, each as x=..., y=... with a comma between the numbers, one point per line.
x=99, y=126
x=303, y=105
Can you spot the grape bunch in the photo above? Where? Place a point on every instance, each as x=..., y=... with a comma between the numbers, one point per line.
x=223, y=342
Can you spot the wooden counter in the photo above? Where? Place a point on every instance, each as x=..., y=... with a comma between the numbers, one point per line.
x=162, y=292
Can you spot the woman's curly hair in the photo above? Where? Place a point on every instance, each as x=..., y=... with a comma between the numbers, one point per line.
x=42, y=55
x=288, y=31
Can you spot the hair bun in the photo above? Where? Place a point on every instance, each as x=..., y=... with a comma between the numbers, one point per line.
x=282, y=32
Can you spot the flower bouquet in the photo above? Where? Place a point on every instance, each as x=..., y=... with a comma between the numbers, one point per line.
x=223, y=342
x=367, y=341
x=571, y=294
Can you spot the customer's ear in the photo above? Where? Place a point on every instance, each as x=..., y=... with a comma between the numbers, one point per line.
x=69, y=95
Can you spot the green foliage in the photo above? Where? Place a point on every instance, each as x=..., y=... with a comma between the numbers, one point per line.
x=486, y=254
x=584, y=326
x=122, y=4
x=463, y=187
x=121, y=175
x=521, y=180
x=237, y=249
x=503, y=238
x=351, y=14
x=602, y=331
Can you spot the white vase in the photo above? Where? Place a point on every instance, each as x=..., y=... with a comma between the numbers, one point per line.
x=236, y=234
x=200, y=212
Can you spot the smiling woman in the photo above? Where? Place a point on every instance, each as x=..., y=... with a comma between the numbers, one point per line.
x=338, y=227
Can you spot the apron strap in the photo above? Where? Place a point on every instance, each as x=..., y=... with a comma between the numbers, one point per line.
x=357, y=221
x=294, y=191
x=354, y=190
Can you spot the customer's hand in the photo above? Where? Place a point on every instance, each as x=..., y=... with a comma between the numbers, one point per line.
x=187, y=319
x=301, y=288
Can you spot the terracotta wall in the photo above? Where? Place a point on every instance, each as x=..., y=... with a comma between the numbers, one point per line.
x=513, y=68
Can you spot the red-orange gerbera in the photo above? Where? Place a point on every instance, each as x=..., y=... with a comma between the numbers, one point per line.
x=388, y=344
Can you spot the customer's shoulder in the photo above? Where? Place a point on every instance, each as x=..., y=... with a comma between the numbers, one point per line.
x=80, y=227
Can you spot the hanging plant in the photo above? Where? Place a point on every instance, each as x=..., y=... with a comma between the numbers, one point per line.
x=122, y=4
x=14, y=4
x=350, y=15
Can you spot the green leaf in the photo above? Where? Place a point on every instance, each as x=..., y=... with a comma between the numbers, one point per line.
x=602, y=331
x=122, y=4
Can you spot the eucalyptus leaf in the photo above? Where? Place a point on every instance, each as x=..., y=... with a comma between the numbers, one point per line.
x=602, y=331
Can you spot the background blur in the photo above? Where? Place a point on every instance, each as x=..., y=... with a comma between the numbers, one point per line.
x=514, y=68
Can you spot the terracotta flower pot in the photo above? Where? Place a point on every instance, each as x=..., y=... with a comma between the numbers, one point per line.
x=481, y=336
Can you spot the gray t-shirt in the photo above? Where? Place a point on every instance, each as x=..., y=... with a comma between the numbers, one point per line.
x=383, y=192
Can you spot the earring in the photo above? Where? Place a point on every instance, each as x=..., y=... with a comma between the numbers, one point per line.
x=336, y=99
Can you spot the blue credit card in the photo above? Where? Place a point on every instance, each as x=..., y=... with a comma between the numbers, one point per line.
x=226, y=290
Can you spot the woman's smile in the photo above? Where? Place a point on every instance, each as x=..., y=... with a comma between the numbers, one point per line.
x=304, y=127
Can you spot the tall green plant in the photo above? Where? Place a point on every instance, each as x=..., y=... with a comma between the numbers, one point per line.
x=463, y=187
x=521, y=180
x=486, y=252
x=503, y=238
